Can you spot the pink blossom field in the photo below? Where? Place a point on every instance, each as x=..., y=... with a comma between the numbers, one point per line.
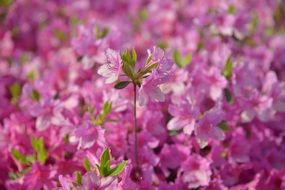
x=142, y=95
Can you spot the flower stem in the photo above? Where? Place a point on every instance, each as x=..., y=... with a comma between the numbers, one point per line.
x=135, y=127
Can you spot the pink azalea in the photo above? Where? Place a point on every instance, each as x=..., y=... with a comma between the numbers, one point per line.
x=207, y=127
x=214, y=128
x=185, y=116
x=161, y=74
x=39, y=177
x=112, y=68
x=172, y=162
x=197, y=172
x=86, y=43
x=87, y=135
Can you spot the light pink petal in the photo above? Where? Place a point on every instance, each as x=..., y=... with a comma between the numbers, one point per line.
x=177, y=123
x=188, y=129
x=63, y=182
x=217, y=134
x=156, y=94
x=143, y=98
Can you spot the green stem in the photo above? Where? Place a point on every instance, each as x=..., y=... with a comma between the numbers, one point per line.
x=135, y=126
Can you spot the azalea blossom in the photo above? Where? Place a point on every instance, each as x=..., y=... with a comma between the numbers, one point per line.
x=150, y=88
x=142, y=95
x=112, y=68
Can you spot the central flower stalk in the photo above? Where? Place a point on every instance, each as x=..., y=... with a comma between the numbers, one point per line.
x=135, y=127
x=123, y=69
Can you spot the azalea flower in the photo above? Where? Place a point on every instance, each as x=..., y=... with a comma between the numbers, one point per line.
x=197, y=172
x=150, y=87
x=39, y=177
x=112, y=68
x=207, y=128
x=185, y=116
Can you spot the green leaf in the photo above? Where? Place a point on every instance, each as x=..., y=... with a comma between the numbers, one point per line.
x=254, y=23
x=107, y=108
x=224, y=126
x=101, y=33
x=126, y=56
x=60, y=35
x=36, y=95
x=38, y=145
x=66, y=139
x=74, y=20
x=105, y=157
x=30, y=158
x=86, y=164
x=100, y=119
x=134, y=56
x=231, y=9
x=227, y=72
x=173, y=132
x=18, y=155
x=180, y=61
x=177, y=57
x=228, y=96
x=31, y=76
x=122, y=84
x=200, y=46
x=13, y=175
x=143, y=14
x=186, y=60
x=129, y=70
x=162, y=44
x=147, y=69
x=15, y=91
x=129, y=61
x=17, y=175
x=279, y=13
x=78, y=178
x=5, y=3
x=104, y=167
x=118, y=169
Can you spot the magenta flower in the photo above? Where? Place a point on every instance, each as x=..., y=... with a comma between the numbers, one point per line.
x=207, y=128
x=112, y=67
x=219, y=123
x=150, y=87
x=39, y=177
x=197, y=172
x=185, y=116
x=87, y=135
x=86, y=43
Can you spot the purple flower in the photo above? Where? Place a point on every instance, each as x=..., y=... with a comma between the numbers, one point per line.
x=39, y=177
x=197, y=172
x=112, y=68
x=150, y=87
x=207, y=127
x=185, y=115
x=87, y=135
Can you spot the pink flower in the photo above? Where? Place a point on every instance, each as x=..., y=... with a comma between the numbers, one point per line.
x=86, y=43
x=7, y=45
x=87, y=135
x=207, y=128
x=173, y=162
x=39, y=177
x=150, y=87
x=217, y=83
x=185, y=115
x=196, y=172
x=90, y=180
x=112, y=68
x=65, y=182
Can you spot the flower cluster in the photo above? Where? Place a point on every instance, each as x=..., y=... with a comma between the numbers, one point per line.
x=155, y=95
